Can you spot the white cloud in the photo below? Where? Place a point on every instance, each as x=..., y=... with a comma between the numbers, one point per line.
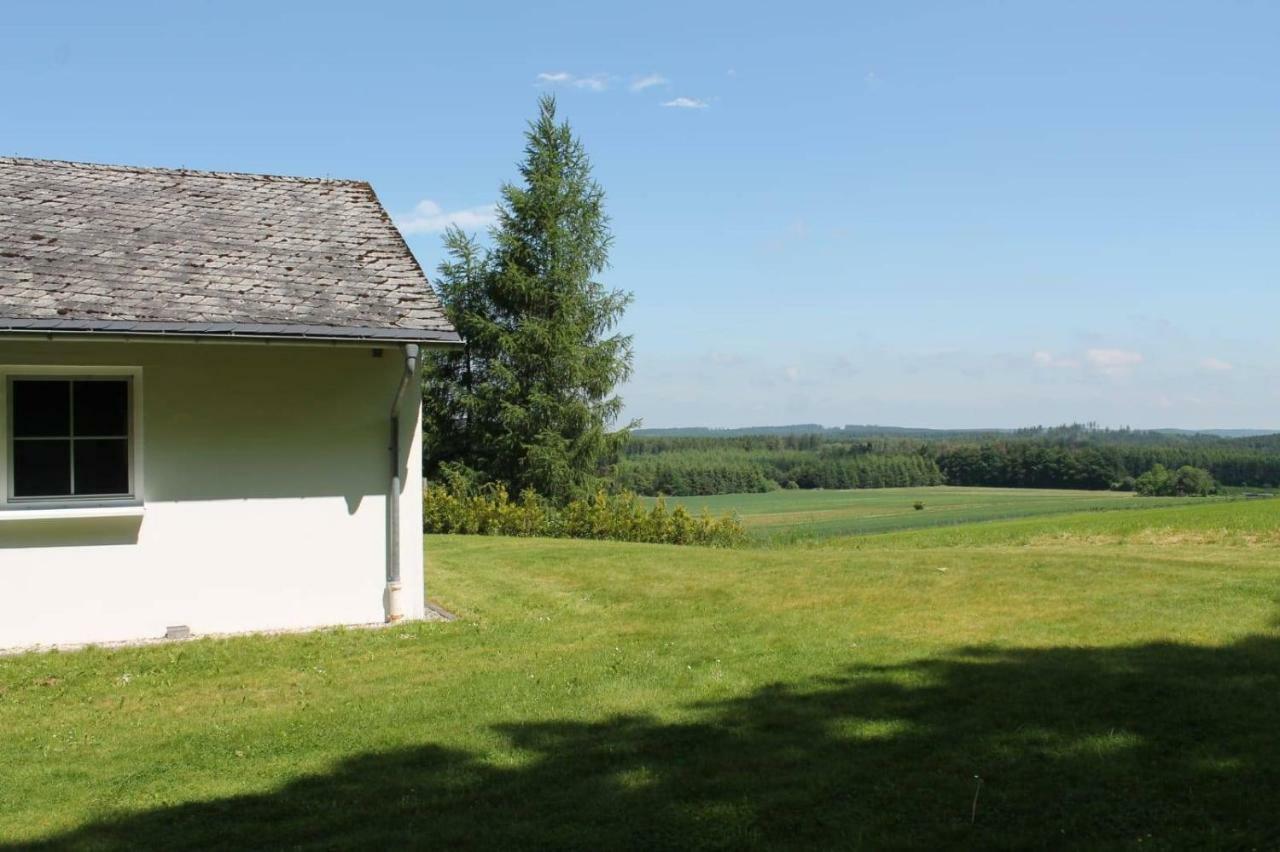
x=1216, y=364
x=1048, y=359
x=1108, y=362
x=686, y=103
x=590, y=82
x=1113, y=362
x=428, y=217
x=792, y=373
x=648, y=82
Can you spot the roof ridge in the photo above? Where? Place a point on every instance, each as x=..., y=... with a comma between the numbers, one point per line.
x=115, y=167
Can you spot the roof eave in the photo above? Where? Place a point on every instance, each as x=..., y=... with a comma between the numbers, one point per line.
x=245, y=332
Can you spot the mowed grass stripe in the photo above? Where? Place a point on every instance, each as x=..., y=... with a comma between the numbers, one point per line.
x=788, y=516
x=1190, y=522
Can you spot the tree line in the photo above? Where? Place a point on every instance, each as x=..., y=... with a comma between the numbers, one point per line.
x=1059, y=457
x=702, y=472
x=1036, y=464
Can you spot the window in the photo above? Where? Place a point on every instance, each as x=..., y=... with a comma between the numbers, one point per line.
x=70, y=437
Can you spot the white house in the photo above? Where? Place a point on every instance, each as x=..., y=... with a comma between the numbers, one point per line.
x=209, y=404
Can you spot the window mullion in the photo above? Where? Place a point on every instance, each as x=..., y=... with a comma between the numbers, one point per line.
x=71, y=438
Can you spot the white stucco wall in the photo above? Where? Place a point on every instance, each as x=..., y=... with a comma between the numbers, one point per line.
x=264, y=478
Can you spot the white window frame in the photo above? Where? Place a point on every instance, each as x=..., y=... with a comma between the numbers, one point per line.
x=9, y=503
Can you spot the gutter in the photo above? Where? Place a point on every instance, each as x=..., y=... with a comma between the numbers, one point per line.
x=394, y=592
x=313, y=340
x=216, y=340
x=251, y=331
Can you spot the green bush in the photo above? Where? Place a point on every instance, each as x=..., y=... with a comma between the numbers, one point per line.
x=1186, y=481
x=461, y=507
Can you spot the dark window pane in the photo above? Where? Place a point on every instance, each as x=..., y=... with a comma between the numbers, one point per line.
x=102, y=466
x=41, y=468
x=102, y=408
x=41, y=408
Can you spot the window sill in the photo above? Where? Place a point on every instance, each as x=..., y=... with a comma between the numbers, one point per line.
x=50, y=513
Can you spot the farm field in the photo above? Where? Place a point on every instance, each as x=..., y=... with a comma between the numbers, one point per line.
x=1098, y=679
x=785, y=516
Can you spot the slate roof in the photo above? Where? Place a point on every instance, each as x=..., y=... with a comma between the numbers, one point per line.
x=125, y=250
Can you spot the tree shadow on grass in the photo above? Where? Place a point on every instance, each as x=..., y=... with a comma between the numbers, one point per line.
x=1152, y=746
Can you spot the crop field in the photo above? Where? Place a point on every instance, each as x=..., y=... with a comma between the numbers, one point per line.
x=1088, y=680
x=785, y=516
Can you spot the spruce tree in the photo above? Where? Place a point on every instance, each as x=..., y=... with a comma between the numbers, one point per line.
x=451, y=378
x=530, y=400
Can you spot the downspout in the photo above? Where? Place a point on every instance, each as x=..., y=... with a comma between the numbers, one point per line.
x=395, y=595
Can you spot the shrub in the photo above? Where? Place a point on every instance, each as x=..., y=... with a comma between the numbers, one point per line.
x=461, y=507
x=1193, y=482
x=919, y=505
x=1157, y=482
x=1186, y=481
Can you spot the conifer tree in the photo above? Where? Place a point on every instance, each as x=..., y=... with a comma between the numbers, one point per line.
x=530, y=401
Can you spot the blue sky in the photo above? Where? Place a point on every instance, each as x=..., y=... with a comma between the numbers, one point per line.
x=927, y=214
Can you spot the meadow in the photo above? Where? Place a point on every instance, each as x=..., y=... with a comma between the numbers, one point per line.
x=795, y=515
x=1100, y=679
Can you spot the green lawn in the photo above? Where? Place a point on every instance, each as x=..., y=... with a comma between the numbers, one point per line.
x=787, y=516
x=1100, y=680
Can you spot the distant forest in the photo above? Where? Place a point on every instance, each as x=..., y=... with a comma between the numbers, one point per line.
x=699, y=462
